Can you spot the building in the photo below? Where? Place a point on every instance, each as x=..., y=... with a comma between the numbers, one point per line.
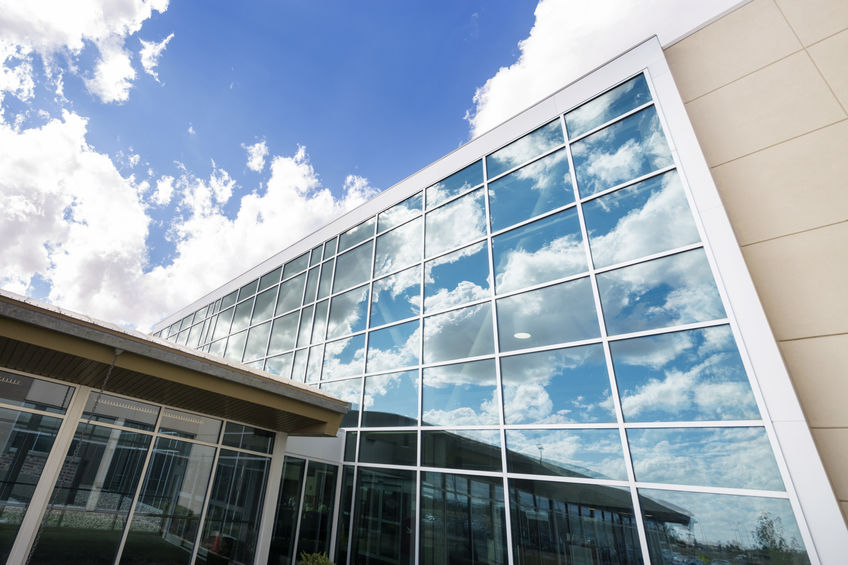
x=552, y=344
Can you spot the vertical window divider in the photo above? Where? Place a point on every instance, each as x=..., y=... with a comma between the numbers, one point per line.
x=628, y=463
x=296, y=538
x=420, y=399
x=272, y=494
x=201, y=522
x=141, y=480
x=352, y=520
x=334, y=529
x=497, y=352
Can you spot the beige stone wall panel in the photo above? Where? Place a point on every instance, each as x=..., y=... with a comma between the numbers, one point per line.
x=831, y=57
x=813, y=20
x=817, y=366
x=781, y=101
x=833, y=447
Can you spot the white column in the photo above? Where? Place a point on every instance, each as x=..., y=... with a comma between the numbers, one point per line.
x=272, y=492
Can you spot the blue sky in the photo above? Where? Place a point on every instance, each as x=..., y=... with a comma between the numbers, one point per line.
x=152, y=150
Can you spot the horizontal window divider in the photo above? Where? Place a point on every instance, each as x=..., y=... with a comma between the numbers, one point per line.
x=30, y=410
x=476, y=302
x=452, y=198
x=396, y=323
x=401, y=369
x=618, y=118
x=646, y=258
x=545, y=284
x=552, y=346
x=342, y=291
x=95, y=422
x=246, y=451
x=409, y=429
x=428, y=258
x=366, y=464
x=612, y=425
x=670, y=329
x=528, y=221
x=455, y=361
x=387, y=274
x=467, y=472
x=572, y=480
x=631, y=182
x=528, y=161
x=713, y=490
x=405, y=222
x=695, y=424
x=336, y=338
x=457, y=428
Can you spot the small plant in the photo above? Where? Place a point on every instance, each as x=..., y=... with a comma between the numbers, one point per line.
x=314, y=559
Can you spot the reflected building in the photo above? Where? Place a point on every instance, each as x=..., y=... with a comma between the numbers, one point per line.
x=548, y=345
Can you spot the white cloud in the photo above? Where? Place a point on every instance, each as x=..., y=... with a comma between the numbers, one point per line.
x=571, y=37
x=113, y=74
x=15, y=72
x=164, y=190
x=150, y=53
x=256, y=155
x=190, y=129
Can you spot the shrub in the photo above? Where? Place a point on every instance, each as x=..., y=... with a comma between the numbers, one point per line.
x=314, y=559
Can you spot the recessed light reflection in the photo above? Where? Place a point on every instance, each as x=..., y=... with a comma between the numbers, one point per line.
x=521, y=335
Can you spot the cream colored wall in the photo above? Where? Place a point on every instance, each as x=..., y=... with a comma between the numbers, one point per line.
x=766, y=88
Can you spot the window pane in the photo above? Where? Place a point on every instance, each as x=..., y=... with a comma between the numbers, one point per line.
x=319, y=499
x=394, y=448
x=222, y=328
x=558, y=386
x=92, y=497
x=607, y=106
x=330, y=248
x=466, y=332
x=305, y=332
x=463, y=519
x=167, y=515
x=530, y=191
x=257, y=341
x=248, y=289
x=592, y=454
x=691, y=375
x=248, y=437
x=283, y=334
x=464, y=394
x=344, y=514
x=270, y=279
x=396, y=297
x=384, y=517
x=721, y=457
x=687, y=527
x=299, y=365
x=356, y=235
x=628, y=149
x=280, y=365
x=478, y=450
x=639, y=220
x=353, y=267
x=291, y=293
x=313, y=366
x=399, y=213
x=229, y=300
x=539, y=317
x=456, y=184
x=349, y=390
x=190, y=426
x=28, y=439
x=311, y=285
x=325, y=282
x=295, y=265
x=572, y=523
x=288, y=506
x=344, y=358
x=235, y=347
x=315, y=255
x=545, y=250
x=454, y=224
x=34, y=393
x=664, y=292
x=348, y=312
x=319, y=326
x=391, y=400
x=120, y=411
x=398, y=248
x=457, y=278
x=393, y=347
x=235, y=508
x=522, y=150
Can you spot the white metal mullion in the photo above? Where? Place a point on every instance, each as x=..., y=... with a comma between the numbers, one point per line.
x=352, y=503
x=267, y=519
x=497, y=350
x=420, y=392
x=334, y=529
x=201, y=522
x=300, y=510
x=619, y=414
x=141, y=482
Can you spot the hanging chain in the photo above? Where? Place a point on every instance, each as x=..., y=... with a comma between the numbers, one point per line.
x=51, y=505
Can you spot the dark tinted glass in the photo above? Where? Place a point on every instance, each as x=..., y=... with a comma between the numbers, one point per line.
x=393, y=448
x=384, y=517
x=281, y=551
x=246, y=437
x=461, y=449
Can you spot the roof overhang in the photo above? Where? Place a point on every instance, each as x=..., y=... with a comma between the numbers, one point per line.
x=44, y=340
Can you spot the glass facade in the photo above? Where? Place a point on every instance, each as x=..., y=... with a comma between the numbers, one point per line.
x=540, y=364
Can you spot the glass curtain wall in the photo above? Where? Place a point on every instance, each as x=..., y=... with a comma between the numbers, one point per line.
x=140, y=483
x=540, y=363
